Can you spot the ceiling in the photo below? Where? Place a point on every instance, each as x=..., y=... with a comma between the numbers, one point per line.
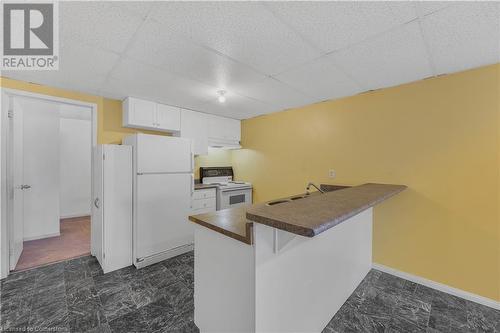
x=268, y=56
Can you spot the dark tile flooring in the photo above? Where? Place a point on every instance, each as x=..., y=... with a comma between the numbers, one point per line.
x=386, y=303
x=74, y=296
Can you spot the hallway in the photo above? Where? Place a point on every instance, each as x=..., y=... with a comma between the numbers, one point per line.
x=73, y=242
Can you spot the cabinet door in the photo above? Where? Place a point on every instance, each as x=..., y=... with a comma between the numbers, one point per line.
x=233, y=129
x=224, y=128
x=141, y=113
x=194, y=126
x=215, y=127
x=168, y=118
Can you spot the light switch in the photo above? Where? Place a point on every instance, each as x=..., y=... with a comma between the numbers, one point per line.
x=331, y=173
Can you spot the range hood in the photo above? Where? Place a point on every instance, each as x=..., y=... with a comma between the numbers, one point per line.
x=223, y=144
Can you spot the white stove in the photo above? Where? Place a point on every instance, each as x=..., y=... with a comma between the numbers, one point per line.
x=230, y=193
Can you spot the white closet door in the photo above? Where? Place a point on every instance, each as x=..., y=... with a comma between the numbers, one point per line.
x=97, y=204
x=40, y=167
x=16, y=186
x=117, y=192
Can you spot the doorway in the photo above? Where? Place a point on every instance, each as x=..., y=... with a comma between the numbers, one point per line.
x=49, y=179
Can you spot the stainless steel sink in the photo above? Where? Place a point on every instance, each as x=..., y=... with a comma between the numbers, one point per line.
x=299, y=197
x=280, y=201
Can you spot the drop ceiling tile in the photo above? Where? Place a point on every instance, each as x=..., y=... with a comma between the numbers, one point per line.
x=81, y=68
x=108, y=25
x=321, y=79
x=393, y=58
x=335, y=25
x=144, y=81
x=429, y=7
x=237, y=106
x=276, y=93
x=463, y=36
x=245, y=31
x=80, y=58
x=88, y=84
x=157, y=46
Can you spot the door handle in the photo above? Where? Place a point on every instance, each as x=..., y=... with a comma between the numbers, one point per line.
x=25, y=187
x=96, y=202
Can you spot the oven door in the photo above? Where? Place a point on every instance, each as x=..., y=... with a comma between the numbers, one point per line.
x=233, y=198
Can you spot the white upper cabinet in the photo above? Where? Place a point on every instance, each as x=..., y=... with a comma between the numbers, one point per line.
x=203, y=129
x=223, y=129
x=194, y=126
x=138, y=113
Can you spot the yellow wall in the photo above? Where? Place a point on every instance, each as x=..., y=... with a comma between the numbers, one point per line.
x=109, y=129
x=216, y=157
x=438, y=136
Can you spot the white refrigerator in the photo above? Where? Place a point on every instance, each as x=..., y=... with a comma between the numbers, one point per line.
x=163, y=185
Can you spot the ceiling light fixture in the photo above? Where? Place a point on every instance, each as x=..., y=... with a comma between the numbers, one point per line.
x=221, y=97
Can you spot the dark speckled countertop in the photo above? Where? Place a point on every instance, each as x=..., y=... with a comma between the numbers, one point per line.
x=308, y=217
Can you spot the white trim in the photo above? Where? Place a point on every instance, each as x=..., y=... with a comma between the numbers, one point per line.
x=4, y=227
x=72, y=216
x=155, y=258
x=439, y=286
x=55, y=234
x=4, y=240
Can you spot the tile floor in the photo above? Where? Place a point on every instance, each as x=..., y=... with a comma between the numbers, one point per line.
x=73, y=242
x=74, y=296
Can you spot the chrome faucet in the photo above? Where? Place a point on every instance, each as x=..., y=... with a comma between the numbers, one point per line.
x=313, y=185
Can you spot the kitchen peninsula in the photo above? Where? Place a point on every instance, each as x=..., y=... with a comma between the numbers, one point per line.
x=283, y=266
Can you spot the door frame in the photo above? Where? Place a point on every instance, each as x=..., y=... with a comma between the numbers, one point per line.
x=5, y=221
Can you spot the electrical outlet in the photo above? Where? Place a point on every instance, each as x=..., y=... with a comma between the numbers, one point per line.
x=331, y=173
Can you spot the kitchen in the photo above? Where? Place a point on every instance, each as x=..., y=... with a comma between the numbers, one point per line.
x=274, y=167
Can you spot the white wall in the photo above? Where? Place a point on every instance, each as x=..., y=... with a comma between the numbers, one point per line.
x=75, y=161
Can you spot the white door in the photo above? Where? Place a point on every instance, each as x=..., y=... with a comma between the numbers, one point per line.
x=162, y=154
x=97, y=202
x=163, y=205
x=143, y=113
x=16, y=186
x=168, y=117
x=40, y=151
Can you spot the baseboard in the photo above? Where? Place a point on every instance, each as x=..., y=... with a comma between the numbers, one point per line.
x=439, y=286
x=164, y=255
x=55, y=234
